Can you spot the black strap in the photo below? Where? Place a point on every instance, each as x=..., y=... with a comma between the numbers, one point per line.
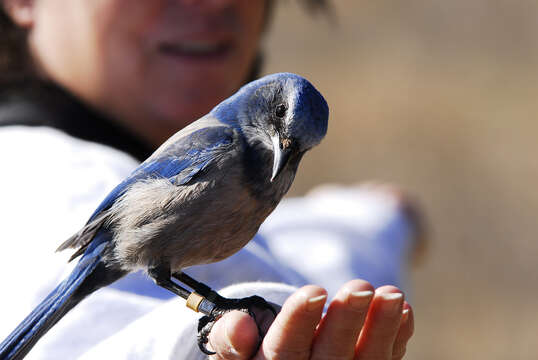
x=45, y=104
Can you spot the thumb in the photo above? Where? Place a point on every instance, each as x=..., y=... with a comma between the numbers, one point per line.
x=234, y=337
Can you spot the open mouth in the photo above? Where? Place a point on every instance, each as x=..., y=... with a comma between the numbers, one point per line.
x=196, y=50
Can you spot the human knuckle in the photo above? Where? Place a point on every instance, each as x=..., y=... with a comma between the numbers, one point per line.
x=286, y=354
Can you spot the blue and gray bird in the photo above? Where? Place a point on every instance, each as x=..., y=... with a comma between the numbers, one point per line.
x=198, y=199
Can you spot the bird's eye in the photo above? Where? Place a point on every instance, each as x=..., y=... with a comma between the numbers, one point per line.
x=280, y=110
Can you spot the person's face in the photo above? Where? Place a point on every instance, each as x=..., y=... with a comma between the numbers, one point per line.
x=155, y=65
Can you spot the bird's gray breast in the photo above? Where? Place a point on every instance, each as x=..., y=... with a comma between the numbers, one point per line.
x=204, y=221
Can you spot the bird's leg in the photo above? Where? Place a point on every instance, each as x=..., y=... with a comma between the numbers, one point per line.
x=252, y=305
x=197, y=286
x=161, y=276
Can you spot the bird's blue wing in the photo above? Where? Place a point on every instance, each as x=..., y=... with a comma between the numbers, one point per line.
x=185, y=158
x=179, y=162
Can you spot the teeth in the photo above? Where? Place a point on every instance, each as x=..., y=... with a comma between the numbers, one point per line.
x=193, y=48
x=198, y=47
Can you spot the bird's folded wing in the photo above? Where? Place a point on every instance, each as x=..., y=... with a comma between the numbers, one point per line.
x=179, y=162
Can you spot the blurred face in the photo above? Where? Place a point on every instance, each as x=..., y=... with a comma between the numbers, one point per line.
x=155, y=65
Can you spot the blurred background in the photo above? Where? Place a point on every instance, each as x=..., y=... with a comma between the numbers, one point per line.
x=439, y=97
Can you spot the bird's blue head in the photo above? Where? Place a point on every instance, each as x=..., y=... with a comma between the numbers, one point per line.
x=282, y=111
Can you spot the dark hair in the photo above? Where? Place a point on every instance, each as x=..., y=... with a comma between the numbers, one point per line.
x=16, y=64
x=14, y=58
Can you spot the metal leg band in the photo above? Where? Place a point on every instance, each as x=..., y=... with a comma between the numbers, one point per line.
x=194, y=300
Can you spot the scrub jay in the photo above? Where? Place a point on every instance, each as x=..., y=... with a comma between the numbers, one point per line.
x=198, y=199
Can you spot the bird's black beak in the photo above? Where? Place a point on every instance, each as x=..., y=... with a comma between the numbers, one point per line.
x=281, y=154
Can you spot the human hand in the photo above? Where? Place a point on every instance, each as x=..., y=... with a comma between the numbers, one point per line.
x=359, y=323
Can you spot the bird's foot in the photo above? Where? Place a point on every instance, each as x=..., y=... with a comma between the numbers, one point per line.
x=255, y=306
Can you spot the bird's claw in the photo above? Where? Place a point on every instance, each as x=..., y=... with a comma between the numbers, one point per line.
x=205, y=324
x=222, y=306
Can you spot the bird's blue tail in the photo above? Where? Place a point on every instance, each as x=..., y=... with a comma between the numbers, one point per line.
x=89, y=275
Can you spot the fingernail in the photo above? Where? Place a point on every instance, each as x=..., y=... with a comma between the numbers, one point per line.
x=316, y=302
x=391, y=301
x=405, y=314
x=359, y=299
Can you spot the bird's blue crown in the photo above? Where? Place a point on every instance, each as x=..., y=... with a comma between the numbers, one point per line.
x=308, y=111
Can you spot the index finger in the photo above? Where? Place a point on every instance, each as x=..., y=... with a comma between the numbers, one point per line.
x=291, y=334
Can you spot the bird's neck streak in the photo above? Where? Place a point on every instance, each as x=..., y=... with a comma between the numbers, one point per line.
x=258, y=161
